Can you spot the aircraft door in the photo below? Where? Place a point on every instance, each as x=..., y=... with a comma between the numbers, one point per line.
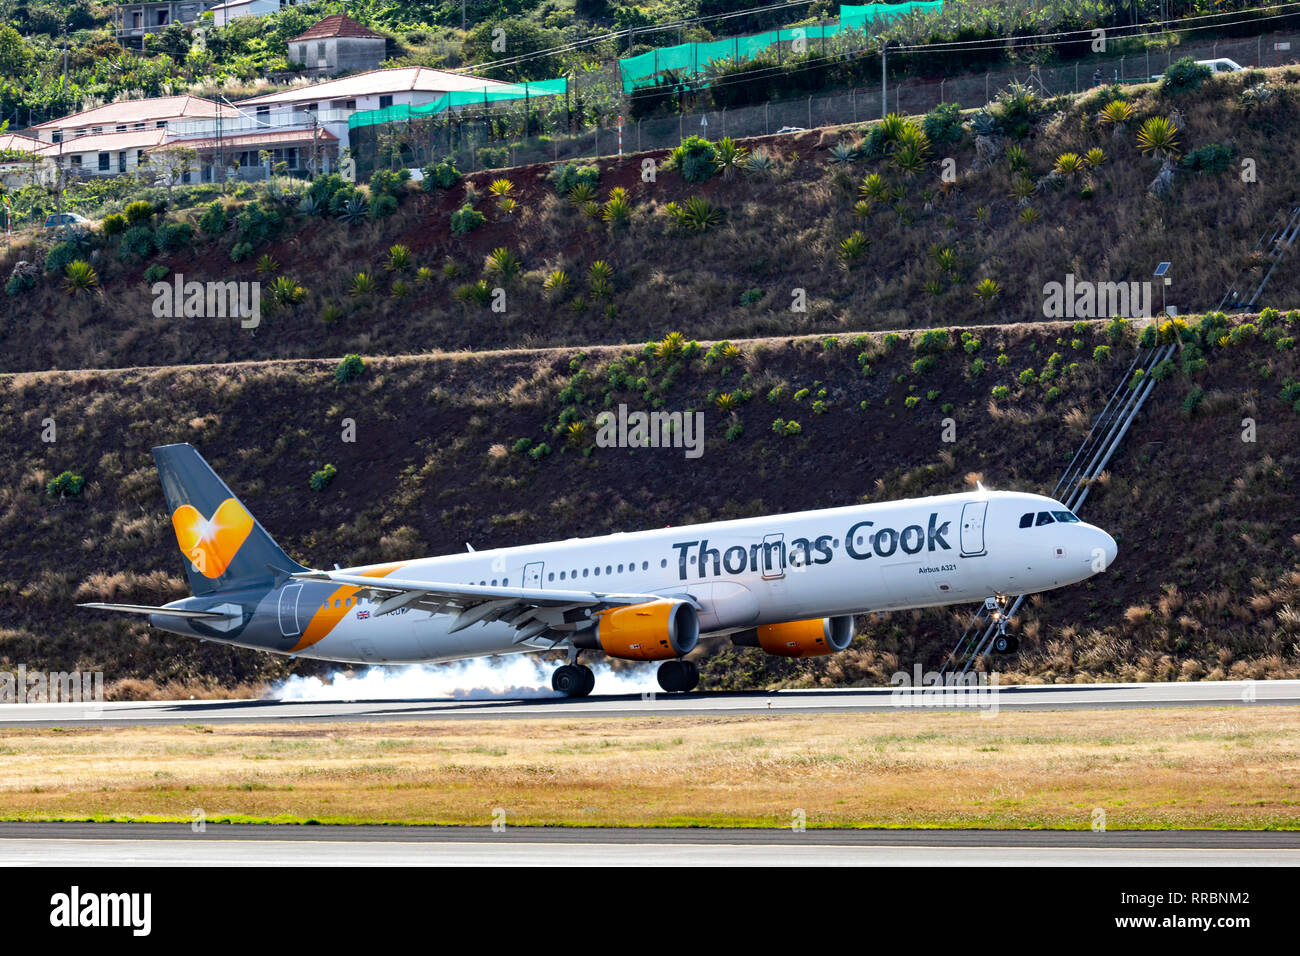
x=289, y=595
x=972, y=528
x=533, y=574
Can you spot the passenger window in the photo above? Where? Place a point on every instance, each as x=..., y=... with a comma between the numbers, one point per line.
x=597, y=572
x=561, y=575
x=1027, y=521
x=550, y=576
x=620, y=569
x=1044, y=518
x=608, y=569
x=584, y=572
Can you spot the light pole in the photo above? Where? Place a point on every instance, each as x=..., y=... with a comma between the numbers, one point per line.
x=884, y=99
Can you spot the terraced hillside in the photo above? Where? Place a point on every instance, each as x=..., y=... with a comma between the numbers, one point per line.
x=499, y=449
x=841, y=230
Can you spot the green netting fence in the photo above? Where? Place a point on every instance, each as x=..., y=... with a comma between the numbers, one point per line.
x=693, y=59
x=461, y=99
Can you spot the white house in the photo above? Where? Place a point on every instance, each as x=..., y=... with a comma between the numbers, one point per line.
x=128, y=116
x=223, y=13
x=337, y=44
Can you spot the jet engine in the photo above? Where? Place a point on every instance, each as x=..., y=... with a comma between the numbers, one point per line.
x=654, y=631
x=815, y=637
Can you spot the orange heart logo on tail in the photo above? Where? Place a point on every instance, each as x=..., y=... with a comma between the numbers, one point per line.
x=211, y=544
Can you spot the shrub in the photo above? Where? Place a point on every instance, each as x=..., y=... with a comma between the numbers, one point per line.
x=1185, y=75
x=383, y=207
x=565, y=178
x=284, y=291
x=113, y=224
x=399, y=258
x=137, y=243
x=60, y=254
x=156, y=273
x=853, y=248
x=931, y=341
x=363, y=283
x=349, y=368
x=466, y=219
x=241, y=251
x=539, y=452
x=257, y=225
x=943, y=124
x=442, y=175
x=502, y=264
x=213, y=222
x=697, y=214
x=79, y=278
x=1101, y=353
x=321, y=479
x=66, y=485
x=1001, y=391
x=174, y=236
x=695, y=158
x=139, y=212
x=1210, y=158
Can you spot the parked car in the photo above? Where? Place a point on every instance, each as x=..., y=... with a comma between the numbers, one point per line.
x=60, y=223
x=1221, y=65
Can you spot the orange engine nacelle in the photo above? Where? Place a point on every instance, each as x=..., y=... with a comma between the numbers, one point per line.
x=655, y=631
x=812, y=638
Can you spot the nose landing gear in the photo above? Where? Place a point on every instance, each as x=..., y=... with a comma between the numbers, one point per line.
x=1003, y=643
x=678, y=676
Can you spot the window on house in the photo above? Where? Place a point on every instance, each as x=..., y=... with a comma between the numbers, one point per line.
x=56, y=137
x=120, y=128
x=76, y=160
x=320, y=50
x=161, y=124
x=385, y=101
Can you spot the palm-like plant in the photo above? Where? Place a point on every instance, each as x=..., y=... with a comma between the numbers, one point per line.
x=79, y=278
x=986, y=290
x=759, y=163
x=670, y=347
x=874, y=188
x=284, y=291
x=1023, y=187
x=354, y=210
x=399, y=258
x=729, y=156
x=503, y=264
x=424, y=275
x=1157, y=136
x=1095, y=157
x=1070, y=164
x=726, y=402
x=266, y=264
x=863, y=208
x=892, y=127
x=1028, y=215
x=582, y=193
x=842, y=154
x=1017, y=158
x=909, y=158
x=853, y=248
x=600, y=279
x=617, y=210
x=363, y=283
x=557, y=283
x=944, y=257
x=1115, y=113
x=697, y=214
x=501, y=187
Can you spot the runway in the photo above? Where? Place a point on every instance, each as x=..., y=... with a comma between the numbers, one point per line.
x=114, y=844
x=985, y=700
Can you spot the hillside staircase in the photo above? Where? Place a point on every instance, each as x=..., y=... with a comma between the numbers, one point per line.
x=1273, y=246
x=1072, y=489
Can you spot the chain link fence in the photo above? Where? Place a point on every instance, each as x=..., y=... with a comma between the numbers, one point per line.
x=473, y=141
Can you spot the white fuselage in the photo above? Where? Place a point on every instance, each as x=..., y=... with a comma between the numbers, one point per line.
x=913, y=553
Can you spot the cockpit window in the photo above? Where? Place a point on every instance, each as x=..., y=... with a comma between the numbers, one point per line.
x=1027, y=520
x=1065, y=517
x=1044, y=517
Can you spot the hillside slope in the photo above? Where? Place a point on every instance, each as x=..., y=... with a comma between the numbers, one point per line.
x=780, y=230
x=1207, y=582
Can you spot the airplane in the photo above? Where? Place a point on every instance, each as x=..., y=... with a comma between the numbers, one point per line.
x=787, y=584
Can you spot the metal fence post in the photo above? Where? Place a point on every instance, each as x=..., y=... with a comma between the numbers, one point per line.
x=681, y=127
x=986, y=88
x=1076, y=78
x=853, y=98
x=766, y=128
x=810, y=112
x=724, y=122
x=941, y=86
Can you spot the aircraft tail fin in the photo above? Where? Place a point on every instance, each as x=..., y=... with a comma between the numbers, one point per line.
x=224, y=546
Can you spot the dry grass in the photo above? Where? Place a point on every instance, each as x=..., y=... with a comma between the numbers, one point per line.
x=1229, y=768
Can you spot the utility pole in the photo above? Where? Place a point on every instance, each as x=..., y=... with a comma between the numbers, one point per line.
x=884, y=45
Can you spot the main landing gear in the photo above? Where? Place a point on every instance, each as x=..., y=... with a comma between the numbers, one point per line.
x=573, y=680
x=678, y=676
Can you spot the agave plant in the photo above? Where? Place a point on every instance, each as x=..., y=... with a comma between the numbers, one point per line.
x=576, y=432
x=984, y=123
x=424, y=275
x=266, y=264
x=986, y=290
x=1022, y=187
x=79, y=278
x=1261, y=94
x=934, y=288
x=944, y=257
x=401, y=289
x=842, y=154
x=759, y=163
x=1028, y=215
x=479, y=292
x=863, y=208
x=1158, y=136
x=501, y=187
x=726, y=402
x=853, y=248
x=1017, y=158
x=893, y=127
x=503, y=264
x=399, y=258
x=354, y=210
x=909, y=158
x=729, y=156
x=284, y=291
x=697, y=214
x=600, y=279
x=506, y=205
x=1095, y=157
x=311, y=206
x=557, y=283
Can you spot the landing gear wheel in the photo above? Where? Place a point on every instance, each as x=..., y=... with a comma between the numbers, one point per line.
x=1006, y=644
x=573, y=680
x=677, y=677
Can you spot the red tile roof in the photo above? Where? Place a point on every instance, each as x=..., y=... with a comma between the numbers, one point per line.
x=337, y=25
x=141, y=111
x=270, y=138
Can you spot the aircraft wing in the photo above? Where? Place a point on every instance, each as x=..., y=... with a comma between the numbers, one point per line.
x=532, y=611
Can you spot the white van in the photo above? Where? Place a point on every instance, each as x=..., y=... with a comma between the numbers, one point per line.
x=1221, y=65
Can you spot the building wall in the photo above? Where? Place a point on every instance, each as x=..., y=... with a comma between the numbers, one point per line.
x=338, y=54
